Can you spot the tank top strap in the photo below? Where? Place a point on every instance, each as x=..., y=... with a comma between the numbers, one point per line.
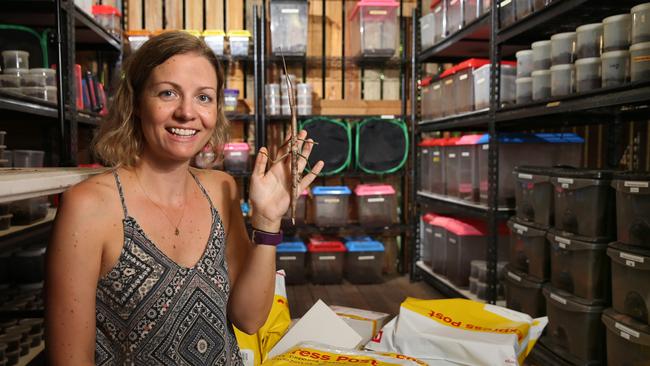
x=121, y=192
x=205, y=193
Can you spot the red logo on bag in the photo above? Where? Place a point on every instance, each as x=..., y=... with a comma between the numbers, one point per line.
x=377, y=338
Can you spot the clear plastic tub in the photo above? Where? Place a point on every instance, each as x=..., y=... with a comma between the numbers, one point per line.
x=331, y=205
x=524, y=63
x=481, y=270
x=534, y=195
x=230, y=99
x=506, y=13
x=439, y=13
x=467, y=150
x=374, y=30
x=464, y=84
x=524, y=294
x=239, y=41
x=630, y=281
x=426, y=253
x=273, y=101
x=447, y=90
x=28, y=158
x=216, y=40
x=15, y=59
x=562, y=80
x=139, y=37
x=364, y=261
x=109, y=18
x=326, y=261
x=33, y=80
x=563, y=48
x=523, y=8
x=641, y=23
x=574, y=330
x=588, y=75
x=579, y=267
x=289, y=25
x=376, y=204
x=524, y=90
x=640, y=67
x=28, y=265
x=628, y=341
x=9, y=81
x=541, y=55
x=633, y=208
x=584, y=202
x=529, y=251
x=617, y=32
x=236, y=157
x=436, y=98
x=47, y=93
x=471, y=12
x=290, y=256
x=427, y=31
x=541, y=84
x=615, y=68
x=28, y=211
x=426, y=98
x=454, y=16
x=589, y=40
x=482, y=85
x=272, y=90
x=304, y=110
x=49, y=74
x=424, y=150
x=452, y=166
x=481, y=291
x=438, y=168
x=273, y=110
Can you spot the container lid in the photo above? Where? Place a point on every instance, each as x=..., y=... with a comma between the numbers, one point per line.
x=330, y=190
x=524, y=229
x=543, y=43
x=364, y=246
x=570, y=241
x=640, y=7
x=31, y=252
x=137, y=33
x=213, y=32
x=426, y=81
x=450, y=71
x=428, y=142
x=236, y=146
x=448, y=141
x=636, y=176
x=327, y=246
x=357, y=238
x=105, y=10
x=291, y=247
x=472, y=63
x=540, y=73
x=434, y=3
x=239, y=33
x=640, y=46
x=512, y=138
x=535, y=170
x=569, y=302
x=44, y=71
x=440, y=221
x=615, y=54
x=469, y=140
x=583, y=173
x=589, y=60
x=428, y=217
x=617, y=18
x=627, y=328
x=463, y=228
x=589, y=27
x=630, y=255
x=523, y=53
x=523, y=80
x=231, y=91
x=563, y=35
x=521, y=279
x=364, y=3
x=509, y=63
x=563, y=67
x=563, y=138
x=373, y=189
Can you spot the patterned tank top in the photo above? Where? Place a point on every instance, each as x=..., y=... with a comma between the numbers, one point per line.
x=151, y=311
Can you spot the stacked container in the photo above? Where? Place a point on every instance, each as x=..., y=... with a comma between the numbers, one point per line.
x=273, y=99
x=364, y=261
x=236, y=157
x=331, y=205
x=427, y=101
x=301, y=211
x=108, y=17
x=438, y=259
x=529, y=251
x=467, y=170
x=289, y=24
x=214, y=38
x=589, y=44
x=427, y=238
x=524, y=294
x=239, y=41
x=482, y=85
x=534, y=195
x=290, y=256
x=304, y=99
x=326, y=260
x=376, y=204
x=374, y=29
x=617, y=34
x=464, y=83
x=447, y=92
x=427, y=31
x=438, y=10
x=640, y=49
x=425, y=148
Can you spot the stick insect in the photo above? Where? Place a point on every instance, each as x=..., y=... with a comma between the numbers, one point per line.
x=294, y=154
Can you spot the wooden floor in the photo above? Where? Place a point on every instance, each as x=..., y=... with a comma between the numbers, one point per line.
x=385, y=297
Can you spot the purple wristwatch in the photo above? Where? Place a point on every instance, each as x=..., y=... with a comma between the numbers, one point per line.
x=266, y=238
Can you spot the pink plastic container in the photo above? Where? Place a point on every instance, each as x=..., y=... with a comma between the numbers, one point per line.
x=236, y=156
x=376, y=204
x=439, y=244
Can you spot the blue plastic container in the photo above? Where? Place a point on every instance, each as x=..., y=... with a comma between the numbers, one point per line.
x=364, y=261
x=290, y=256
x=331, y=205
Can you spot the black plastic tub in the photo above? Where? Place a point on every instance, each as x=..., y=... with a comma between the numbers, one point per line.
x=628, y=341
x=534, y=195
x=529, y=250
x=630, y=281
x=524, y=293
x=633, y=208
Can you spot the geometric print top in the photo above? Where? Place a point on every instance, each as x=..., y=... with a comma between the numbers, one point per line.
x=151, y=311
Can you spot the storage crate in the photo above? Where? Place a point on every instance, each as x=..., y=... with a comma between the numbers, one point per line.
x=529, y=250
x=374, y=29
x=630, y=281
x=364, y=261
x=236, y=157
x=524, y=294
x=326, y=260
x=633, y=208
x=628, y=341
x=534, y=195
x=289, y=27
x=467, y=150
x=376, y=204
x=331, y=205
x=290, y=256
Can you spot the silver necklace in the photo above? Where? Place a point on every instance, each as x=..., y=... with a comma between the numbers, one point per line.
x=177, y=232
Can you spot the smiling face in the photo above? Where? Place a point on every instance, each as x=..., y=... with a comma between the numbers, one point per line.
x=178, y=108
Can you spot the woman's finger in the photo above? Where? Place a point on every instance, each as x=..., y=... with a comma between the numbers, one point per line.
x=308, y=179
x=260, y=163
x=306, y=151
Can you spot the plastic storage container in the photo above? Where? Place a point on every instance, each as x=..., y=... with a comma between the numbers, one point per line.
x=439, y=14
x=374, y=30
x=290, y=256
x=364, y=261
x=506, y=13
x=447, y=92
x=438, y=167
x=438, y=225
x=540, y=4
x=28, y=211
x=465, y=243
x=216, y=40
x=426, y=99
x=584, y=202
x=230, y=99
x=640, y=66
x=452, y=166
x=424, y=149
x=615, y=68
x=524, y=63
x=472, y=11
x=28, y=265
x=562, y=80
x=534, y=195
x=137, y=38
x=541, y=55
x=331, y=205
x=467, y=150
x=524, y=90
x=50, y=75
x=529, y=251
x=454, y=16
x=641, y=23
x=326, y=261
x=5, y=222
x=482, y=85
x=427, y=31
x=579, y=267
x=617, y=32
x=239, y=40
x=33, y=80
x=301, y=211
x=563, y=48
x=574, y=330
x=9, y=81
x=289, y=22
x=427, y=238
x=588, y=75
x=523, y=8
x=236, y=157
x=15, y=59
x=480, y=267
x=376, y=204
x=633, y=208
x=630, y=281
x=524, y=294
x=481, y=291
x=47, y=93
x=628, y=341
x=109, y=18
x=541, y=84
x=464, y=83
x=28, y=158
x=589, y=40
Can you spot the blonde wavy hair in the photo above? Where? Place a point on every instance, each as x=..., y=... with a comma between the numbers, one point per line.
x=119, y=141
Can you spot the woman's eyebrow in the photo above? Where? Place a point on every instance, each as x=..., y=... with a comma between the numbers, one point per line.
x=177, y=86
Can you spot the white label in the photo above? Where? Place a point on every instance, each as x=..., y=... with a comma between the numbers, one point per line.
x=636, y=184
x=630, y=263
x=378, y=199
x=425, y=26
x=562, y=240
x=452, y=240
x=428, y=230
x=480, y=81
x=514, y=276
x=463, y=77
x=627, y=330
x=525, y=176
x=425, y=151
x=625, y=335
x=436, y=153
x=290, y=11
x=521, y=228
x=288, y=258
x=634, y=190
x=436, y=87
x=437, y=235
x=464, y=154
x=438, y=9
x=561, y=300
x=565, y=180
x=562, y=245
x=486, y=147
x=235, y=153
x=505, y=2
x=449, y=81
x=366, y=257
x=331, y=200
x=387, y=116
x=327, y=258
x=247, y=356
x=452, y=156
x=632, y=257
x=378, y=12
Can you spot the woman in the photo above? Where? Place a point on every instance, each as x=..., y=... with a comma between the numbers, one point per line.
x=151, y=263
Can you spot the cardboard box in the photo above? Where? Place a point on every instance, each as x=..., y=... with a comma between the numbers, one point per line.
x=366, y=323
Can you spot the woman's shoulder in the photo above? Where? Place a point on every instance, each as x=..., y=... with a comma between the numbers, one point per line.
x=219, y=184
x=94, y=194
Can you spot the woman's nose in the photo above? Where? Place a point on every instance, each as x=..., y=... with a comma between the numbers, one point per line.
x=185, y=110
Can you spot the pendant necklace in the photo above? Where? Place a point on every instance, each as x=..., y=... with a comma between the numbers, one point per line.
x=177, y=232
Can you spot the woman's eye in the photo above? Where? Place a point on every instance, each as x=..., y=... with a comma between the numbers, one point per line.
x=167, y=93
x=203, y=98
